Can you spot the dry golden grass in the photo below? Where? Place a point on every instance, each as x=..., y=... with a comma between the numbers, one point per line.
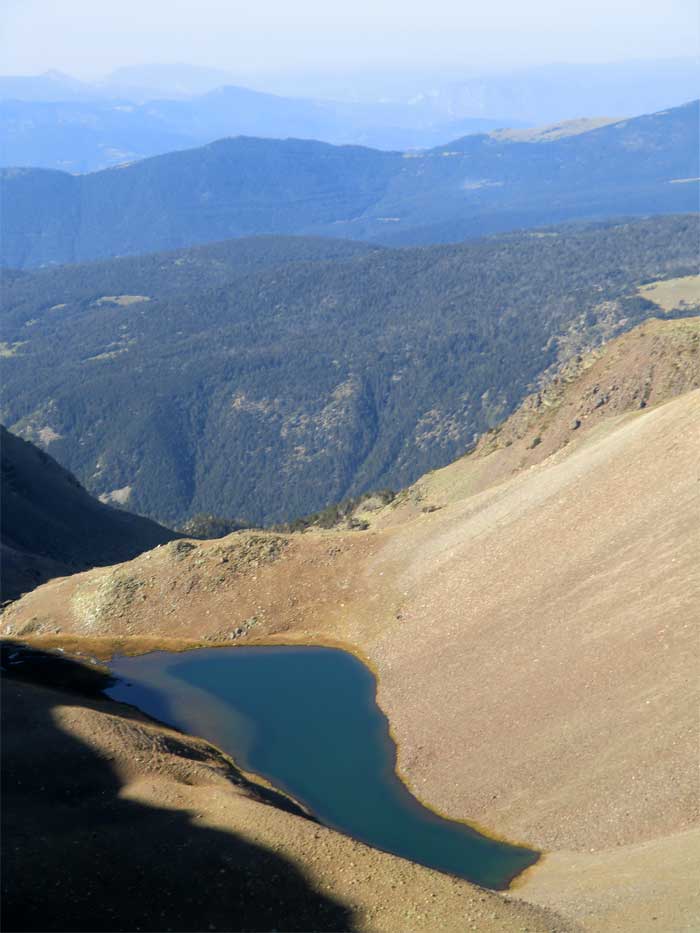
x=673, y=294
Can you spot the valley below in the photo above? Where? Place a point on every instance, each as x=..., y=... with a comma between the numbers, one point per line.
x=349, y=468
x=268, y=378
x=530, y=614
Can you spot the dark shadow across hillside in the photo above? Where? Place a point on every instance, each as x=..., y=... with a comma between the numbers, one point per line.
x=78, y=857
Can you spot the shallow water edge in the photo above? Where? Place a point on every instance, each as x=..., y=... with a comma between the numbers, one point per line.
x=260, y=705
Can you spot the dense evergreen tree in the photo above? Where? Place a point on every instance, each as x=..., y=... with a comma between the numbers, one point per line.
x=243, y=186
x=267, y=379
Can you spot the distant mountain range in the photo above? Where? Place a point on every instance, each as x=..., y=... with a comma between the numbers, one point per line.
x=82, y=136
x=536, y=94
x=245, y=186
x=55, y=121
x=263, y=379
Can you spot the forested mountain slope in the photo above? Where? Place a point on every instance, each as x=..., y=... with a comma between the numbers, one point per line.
x=246, y=186
x=286, y=387
x=52, y=527
x=563, y=573
x=173, y=273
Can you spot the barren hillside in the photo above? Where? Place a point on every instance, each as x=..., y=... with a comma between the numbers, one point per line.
x=170, y=835
x=531, y=614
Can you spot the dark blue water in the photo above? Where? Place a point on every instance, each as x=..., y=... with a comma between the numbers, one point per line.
x=306, y=719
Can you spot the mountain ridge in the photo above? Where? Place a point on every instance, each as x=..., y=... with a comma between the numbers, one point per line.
x=79, y=136
x=246, y=186
x=288, y=385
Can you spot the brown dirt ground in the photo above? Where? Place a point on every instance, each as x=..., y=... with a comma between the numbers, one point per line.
x=531, y=613
x=136, y=827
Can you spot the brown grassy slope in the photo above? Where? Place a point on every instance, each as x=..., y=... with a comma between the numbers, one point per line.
x=534, y=636
x=549, y=624
x=112, y=822
x=552, y=131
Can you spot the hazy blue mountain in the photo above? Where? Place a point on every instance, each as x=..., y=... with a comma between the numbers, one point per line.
x=232, y=110
x=248, y=186
x=166, y=80
x=83, y=136
x=55, y=121
x=265, y=378
x=646, y=165
x=50, y=86
x=536, y=95
x=79, y=136
x=559, y=92
x=133, y=83
x=386, y=110
x=235, y=187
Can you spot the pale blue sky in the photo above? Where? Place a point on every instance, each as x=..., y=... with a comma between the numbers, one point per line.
x=90, y=37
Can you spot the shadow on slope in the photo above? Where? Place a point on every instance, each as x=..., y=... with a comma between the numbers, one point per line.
x=51, y=525
x=78, y=856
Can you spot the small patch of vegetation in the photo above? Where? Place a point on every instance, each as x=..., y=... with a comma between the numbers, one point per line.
x=204, y=526
x=338, y=513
